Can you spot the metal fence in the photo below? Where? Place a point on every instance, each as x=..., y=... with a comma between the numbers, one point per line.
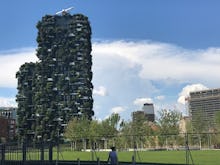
x=148, y=142
x=21, y=153
x=15, y=153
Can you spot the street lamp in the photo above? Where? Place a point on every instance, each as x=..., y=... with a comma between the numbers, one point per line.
x=59, y=120
x=58, y=138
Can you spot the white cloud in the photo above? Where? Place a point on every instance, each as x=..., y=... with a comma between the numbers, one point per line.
x=118, y=109
x=142, y=101
x=131, y=69
x=189, y=88
x=151, y=60
x=10, y=63
x=101, y=91
x=161, y=97
x=7, y=102
x=159, y=61
x=145, y=64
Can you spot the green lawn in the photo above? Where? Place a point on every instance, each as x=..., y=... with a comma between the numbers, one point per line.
x=200, y=157
x=206, y=157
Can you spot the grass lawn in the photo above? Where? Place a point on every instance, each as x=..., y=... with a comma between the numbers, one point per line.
x=204, y=157
x=200, y=157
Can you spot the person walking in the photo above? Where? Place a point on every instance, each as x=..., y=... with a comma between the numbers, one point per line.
x=112, y=157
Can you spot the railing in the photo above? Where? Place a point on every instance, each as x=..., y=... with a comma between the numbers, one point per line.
x=46, y=154
x=21, y=153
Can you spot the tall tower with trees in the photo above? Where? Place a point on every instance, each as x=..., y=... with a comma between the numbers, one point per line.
x=58, y=86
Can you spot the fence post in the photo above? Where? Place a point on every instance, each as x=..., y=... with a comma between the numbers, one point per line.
x=98, y=161
x=187, y=149
x=42, y=151
x=2, y=153
x=50, y=152
x=133, y=160
x=78, y=161
x=24, y=152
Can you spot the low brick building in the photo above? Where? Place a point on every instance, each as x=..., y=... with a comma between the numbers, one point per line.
x=4, y=128
x=7, y=123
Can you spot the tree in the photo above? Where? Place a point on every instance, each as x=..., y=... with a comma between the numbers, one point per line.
x=169, y=125
x=109, y=128
x=169, y=121
x=77, y=130
x=216, y=137
x=71, y=132
x=126, y=133
x=217, y=121
x=94, y=134
x=201, y=125
x=140, y=128
x=114, y=120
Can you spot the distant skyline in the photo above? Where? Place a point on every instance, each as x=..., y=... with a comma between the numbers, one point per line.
x=143, y=51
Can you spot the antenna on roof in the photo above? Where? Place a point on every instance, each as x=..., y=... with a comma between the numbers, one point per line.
x=64, y=11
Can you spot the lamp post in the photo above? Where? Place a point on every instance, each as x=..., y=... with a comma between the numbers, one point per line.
x=40, y=136
x=40, y=140
x=59, y=120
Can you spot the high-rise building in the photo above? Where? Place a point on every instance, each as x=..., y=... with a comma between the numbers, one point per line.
x=57, y=87
x=203, y=106
x=147, y=113
x=148, y=109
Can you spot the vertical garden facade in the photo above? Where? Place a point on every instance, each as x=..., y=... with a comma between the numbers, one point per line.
x=57, y=87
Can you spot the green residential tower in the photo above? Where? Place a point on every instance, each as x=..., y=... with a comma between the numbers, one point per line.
x=58, y=86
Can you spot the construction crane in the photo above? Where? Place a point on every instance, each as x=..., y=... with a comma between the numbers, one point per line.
x=64, y=11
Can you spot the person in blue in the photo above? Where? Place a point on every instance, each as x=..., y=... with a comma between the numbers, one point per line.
x=112, y=157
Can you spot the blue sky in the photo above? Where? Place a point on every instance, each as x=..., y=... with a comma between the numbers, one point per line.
x=143, y=51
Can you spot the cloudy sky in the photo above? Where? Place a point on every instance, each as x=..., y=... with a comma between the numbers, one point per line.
x=151, y=51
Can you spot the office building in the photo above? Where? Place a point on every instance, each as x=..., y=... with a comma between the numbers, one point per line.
x=203, y=106
x=148, y=109
x=147, y=112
